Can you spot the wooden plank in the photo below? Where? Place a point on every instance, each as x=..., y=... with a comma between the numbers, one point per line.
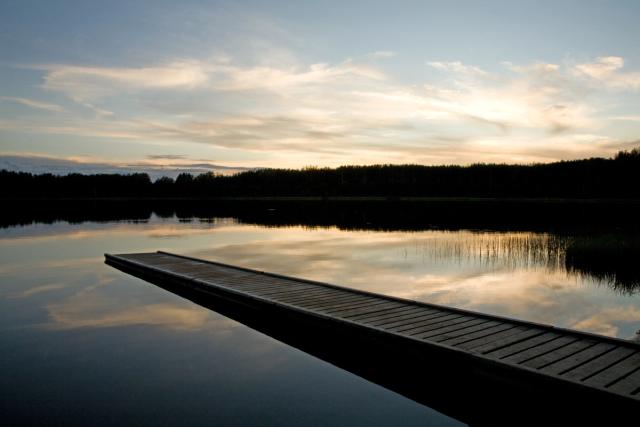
x=398, y=325
x=263, y=290
x=323, y=301
x=257, y=286
x=432, y=322
x=269, y=290
x=369, y=308
x=598, y=364
x=508, y=340
x=489, y=339
x=298, y=294
x=441, y=334
x=342, y=302
x=390, y=310
x=295, y=295
x=577, y=359
x=405, y=311
x=418, y=322
x=249, y=281
x=253, y=289
x=165, y=265
x=176, y=267
x=394, y=325
x=236, y=282
x=499, y=339
x=355, y=297
x=273, y=292
x=139, y=255
x=318, y=298
x=561, y=353
x=180, y=267
x=415, y=314
x=213, y=274
x=627, y=385
x=441, y=330
x=358, y=300
x=187, y=266
x=539, y=350
x=518, y=347
x=473, y=335
x=411, y=317
x=151, y=258
x=207, y=274
x=267, y=280
x=615, y=372
x=307, y=297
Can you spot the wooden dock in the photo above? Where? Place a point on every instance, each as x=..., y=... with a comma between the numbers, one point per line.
x=577, y=365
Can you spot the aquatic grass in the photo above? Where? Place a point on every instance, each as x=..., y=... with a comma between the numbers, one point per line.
x=611, y=258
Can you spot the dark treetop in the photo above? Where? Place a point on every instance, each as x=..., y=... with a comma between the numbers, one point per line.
x=617, y=177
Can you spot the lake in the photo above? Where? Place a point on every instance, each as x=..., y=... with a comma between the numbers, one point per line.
x=84, y=343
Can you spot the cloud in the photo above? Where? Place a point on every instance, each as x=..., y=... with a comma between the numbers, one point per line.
x=456, y=67
x=607, y=321
x=38, y=290
x=603, y=67
x=606, y=71
x=234, y=78
x=340, y=113
x=34, y=104
x=81, y=82
x=539, y=96
x=92, y=311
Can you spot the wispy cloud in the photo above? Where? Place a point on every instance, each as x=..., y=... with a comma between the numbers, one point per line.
x=607, y=321
x=606, y=70
x=456, y=67
x=81, y=82
x=94, y=312
x=272, y=78
x=38, y=290
x=34, y=104
x=344, y=112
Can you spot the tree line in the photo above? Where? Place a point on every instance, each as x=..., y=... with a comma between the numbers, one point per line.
x=616, y=177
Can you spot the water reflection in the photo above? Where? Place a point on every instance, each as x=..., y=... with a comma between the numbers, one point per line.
x=456, y=269
x=528, y=275
x=66, y=315
x=83, y=341
x=600, y=240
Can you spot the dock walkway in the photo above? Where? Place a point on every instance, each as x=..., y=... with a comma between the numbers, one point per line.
x=582, y=361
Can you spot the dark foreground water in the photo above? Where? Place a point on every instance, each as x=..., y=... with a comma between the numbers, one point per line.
x=84, y=344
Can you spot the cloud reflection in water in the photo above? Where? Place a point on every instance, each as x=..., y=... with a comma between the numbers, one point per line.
x=517, y=274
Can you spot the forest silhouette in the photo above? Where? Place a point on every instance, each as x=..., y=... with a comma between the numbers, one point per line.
x=616, y=177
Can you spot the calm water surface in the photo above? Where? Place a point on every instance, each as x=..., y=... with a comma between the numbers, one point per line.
x=86, y=344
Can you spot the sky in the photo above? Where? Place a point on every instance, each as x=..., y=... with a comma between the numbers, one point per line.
x=244, y=84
